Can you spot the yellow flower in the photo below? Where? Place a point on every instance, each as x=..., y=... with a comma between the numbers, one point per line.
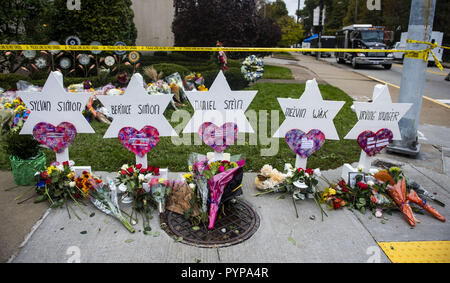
x=70, y=175
x=202, y=88
x=161, y=180
x=19, y=108
x=7, y=105
x=332, y=191
x=190, y=168
x=187, y=176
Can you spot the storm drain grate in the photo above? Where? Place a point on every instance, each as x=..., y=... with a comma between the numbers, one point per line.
x=238, y=224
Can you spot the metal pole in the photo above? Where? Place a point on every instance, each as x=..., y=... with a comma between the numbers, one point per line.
x=320, y=27
x=413, y=76
x=356, y=11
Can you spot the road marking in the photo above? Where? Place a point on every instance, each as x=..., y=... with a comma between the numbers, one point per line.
x=396, y=86
x=429, y=71
x=417, y=252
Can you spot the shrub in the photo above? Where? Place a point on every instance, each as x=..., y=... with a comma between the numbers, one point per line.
x=169, y=68
x=9, y=81
x=234, y=78
x=22, y=146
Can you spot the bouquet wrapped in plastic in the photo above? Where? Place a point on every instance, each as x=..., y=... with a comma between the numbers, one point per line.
x=213, y=184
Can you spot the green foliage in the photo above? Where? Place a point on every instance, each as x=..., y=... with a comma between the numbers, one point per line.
x=9, y=81
x=291, y=31
x=106, y=21
x=22, y=146
x=169, y=68
x=234, y=77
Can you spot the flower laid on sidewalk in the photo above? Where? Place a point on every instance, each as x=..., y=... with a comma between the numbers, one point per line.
x=383, y=192
x=213, y=183
x=300, y=183
x=57, y=185
x=131, y=179
x=102, y=197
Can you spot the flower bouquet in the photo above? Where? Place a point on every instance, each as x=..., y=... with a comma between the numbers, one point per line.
x=176, y=84
x=102, y=196
x=298, y=182
x=213, y=183
x=57, y=185
x=131, y=180
x=193, y=81
x=384, y=191
x=160, y=190
x=160, y=87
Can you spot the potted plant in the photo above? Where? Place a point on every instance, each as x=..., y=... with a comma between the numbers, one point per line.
x=24, y=154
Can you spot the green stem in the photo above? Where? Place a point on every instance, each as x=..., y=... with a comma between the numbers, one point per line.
x=48, y=195
x=73, y=210
x=68, y=212
x=76, y=203
x=295, y=206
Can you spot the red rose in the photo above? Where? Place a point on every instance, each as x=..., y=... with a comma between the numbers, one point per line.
x=299, y=169
x=77, y=195
x=143, y=171
x=123, y=172
x=44, y=174
x=344, y=189
x=336, y=203
x=150, y=168
x=309, y=171
x=362, y=185
x=139, y=166
x=156, y=171
x=130, y=170
x=48, y=181
x=66, y=164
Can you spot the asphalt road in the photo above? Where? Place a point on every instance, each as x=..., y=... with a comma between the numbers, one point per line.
x=436, y=86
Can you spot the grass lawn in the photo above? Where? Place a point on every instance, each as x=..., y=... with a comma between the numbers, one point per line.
x=276, y=72
x=109, y=154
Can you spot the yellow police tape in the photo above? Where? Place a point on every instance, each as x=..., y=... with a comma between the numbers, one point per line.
x=414, y=54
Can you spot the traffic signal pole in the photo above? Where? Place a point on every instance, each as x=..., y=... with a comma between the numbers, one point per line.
x=320, y=27
x=413, y=76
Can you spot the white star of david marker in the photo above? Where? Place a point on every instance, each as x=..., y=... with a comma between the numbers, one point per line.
x=309, y=112
x=55, y=105
x=379, y=114
x=137, y=109
x=219, y=105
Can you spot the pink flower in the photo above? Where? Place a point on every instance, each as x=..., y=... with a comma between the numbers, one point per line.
x=221, y=169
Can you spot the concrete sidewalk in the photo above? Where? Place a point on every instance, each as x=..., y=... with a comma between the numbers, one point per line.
x=343, y=236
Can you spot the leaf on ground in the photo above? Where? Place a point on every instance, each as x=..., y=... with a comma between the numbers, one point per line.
x=83, y=232
x=195, y=228
x=156, y=234
x=179, y=239
x=92, y=214
x=129, y=241
x=292, y=240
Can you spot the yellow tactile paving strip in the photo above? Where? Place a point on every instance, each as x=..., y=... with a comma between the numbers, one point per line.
x=417, y=252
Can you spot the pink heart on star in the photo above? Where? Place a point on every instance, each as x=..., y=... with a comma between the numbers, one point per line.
x=305, y=144
x=56, y=138
x=218, y=138
x=372, y=143
x=139, y=142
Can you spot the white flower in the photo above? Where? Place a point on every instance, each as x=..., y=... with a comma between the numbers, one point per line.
x=307, y=175
x=370, y=183
x=266, y=170
x=288, y=166
x=317, y=172
x=72, y=184
x=148, y=176
x=378, y=213
x=192, y=185
x=290, y=174
x=124, y=167
x=60, y=168
x=141, y=177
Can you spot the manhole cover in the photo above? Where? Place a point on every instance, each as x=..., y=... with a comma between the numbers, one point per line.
x=238, y=224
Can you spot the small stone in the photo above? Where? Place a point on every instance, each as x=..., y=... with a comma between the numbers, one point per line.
x=223, y=230
x=312, y=217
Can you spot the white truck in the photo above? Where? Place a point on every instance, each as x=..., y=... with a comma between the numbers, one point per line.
x=436, y=36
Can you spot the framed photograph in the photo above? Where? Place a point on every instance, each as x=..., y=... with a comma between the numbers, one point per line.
x=79, y=170
x=355, y=177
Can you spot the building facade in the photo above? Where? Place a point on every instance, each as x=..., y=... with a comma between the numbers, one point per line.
x=153, y=20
